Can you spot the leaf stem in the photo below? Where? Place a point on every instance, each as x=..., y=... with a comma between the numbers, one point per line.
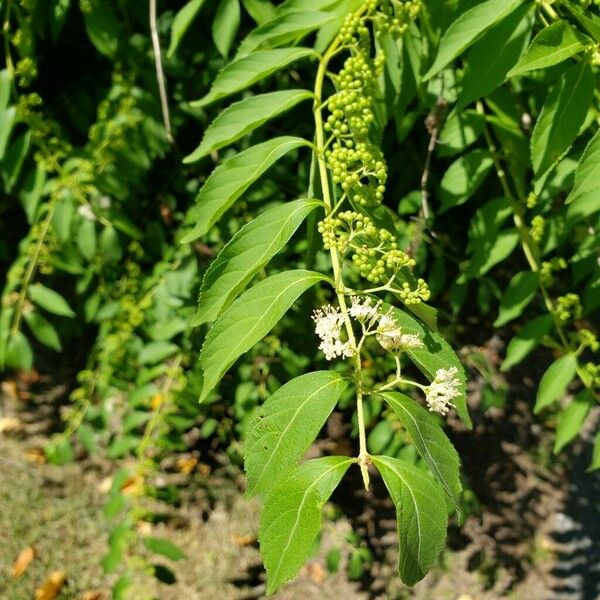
x=363, y=457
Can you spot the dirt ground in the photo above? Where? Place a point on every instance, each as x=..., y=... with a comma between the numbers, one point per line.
x=536, y=537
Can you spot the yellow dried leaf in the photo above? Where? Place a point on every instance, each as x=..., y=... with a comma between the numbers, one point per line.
x=93, y=596
x=22, y=562
x=186, y=465
x=10, y=425
x=243, y=540
x=133, y=486
x=35, y=455
x=50, y=589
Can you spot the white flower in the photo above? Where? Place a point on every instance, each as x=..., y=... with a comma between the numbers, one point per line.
x=443, y=389
x=85, y=210
x=391, y=338
x=104, y=202
x=328, y=326
x=328, y=322
x=335, y=347
x=362, y=310
x=410, y=340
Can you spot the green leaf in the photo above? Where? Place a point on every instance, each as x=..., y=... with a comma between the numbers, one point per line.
x=135, y=419
x=572, y=419
x=421, y=516
x=43, y=330
x=19, y=354
x=526, y=340
x=49, y=300
x=519, y=293
x=260, y=10
x=379, y=437
x=244, y=116
x=291, y=517
x=595, y=463
x=7, y=120
x=248, y=320
x=587, y=174
x=284, y=28
x=285, y=426
x=490, y=59
x=437, y=354
x=551, y=46
x=13, y=160
x=562, y=116
x=467, y=29
x=464, y=177
x=86, y=238
x=163, y=547
x=103, y=28
x=430, y=440
x=250, y=249
x=225, y=25
x=181, y=23
x=555, y=381
x=588, y=20
x=231, y=179
x=155, y=352
x=460, y=131
x=244, y=72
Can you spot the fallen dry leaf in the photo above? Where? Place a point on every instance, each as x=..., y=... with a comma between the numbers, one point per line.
x=316, y=572
x=204, y=470
x=35, y=455
x=52, y=586
x=22, y=561
x=186, y=465
x=243, y=540
x=10, y=389
x=10, y=425
x=93, y=596
x=133, y=486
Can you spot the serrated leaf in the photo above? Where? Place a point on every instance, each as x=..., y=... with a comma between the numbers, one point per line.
x=248, y=320
x=163, y=547
x=250, y=249
x=551, y=46
x=244, y=72
x=519, y=293
x=587, y=174
x=421, y=516
x=42, y=329
x=181, y=23
x=291, y=517
x=464, y=177
x=231, y=179
x=437, y=354
x=49, y=300
x=244, y=116
x=285, y=426
x=467, y=29
x=284, y=28
x=490, y=59
x=225, y=25
x=561, y=117
x=430, y=440
x=526, y=340
x=572, y=419
x=555, y=381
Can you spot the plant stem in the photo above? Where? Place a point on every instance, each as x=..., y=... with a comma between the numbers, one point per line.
x=336, y=262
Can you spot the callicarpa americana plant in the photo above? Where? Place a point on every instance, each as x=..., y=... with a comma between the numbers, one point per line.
x=377, y=304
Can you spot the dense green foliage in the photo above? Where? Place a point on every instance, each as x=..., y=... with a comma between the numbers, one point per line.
x=371, y=160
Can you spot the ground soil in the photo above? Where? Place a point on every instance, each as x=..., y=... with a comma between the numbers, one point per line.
x=534, y=533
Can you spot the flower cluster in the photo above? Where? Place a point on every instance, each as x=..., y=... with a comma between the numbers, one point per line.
x=538, y=225
x=588, y=339
x=442, y=391
x=391, y=338
x=568, y=307
x=593, y=374
x=328, y=326
x=549, y=267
